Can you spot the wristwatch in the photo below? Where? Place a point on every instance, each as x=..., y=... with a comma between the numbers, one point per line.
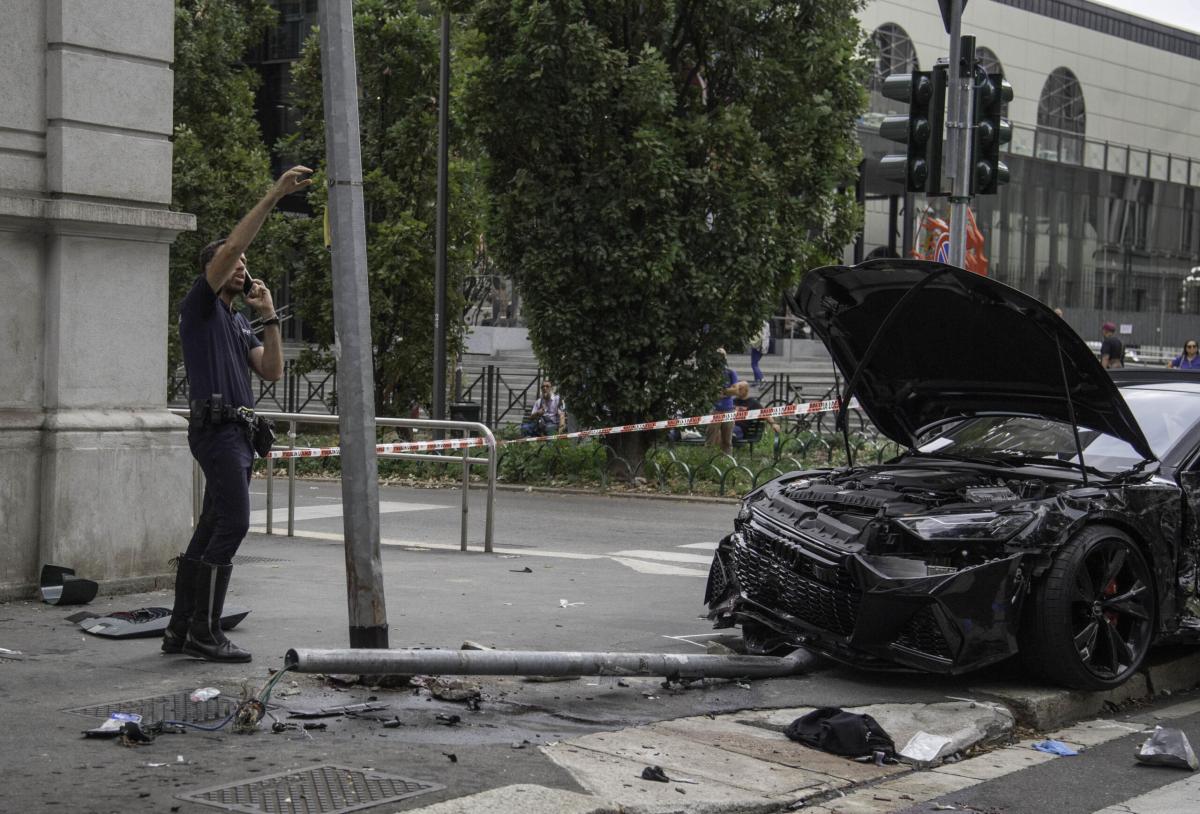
x=271, y=321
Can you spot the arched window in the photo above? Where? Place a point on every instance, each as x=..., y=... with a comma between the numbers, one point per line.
x=1062, y=118
x=991, y=64
x=894, y=54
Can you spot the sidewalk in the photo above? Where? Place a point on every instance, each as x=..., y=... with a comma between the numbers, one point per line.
x=565, y=746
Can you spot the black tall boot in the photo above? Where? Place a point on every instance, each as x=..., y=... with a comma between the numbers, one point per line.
x=185, y=603
x=205, y=639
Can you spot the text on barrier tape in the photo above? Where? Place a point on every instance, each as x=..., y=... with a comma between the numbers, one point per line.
x=807, y=408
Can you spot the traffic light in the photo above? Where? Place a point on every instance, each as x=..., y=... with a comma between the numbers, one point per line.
x=990, y=130
x=925, y=92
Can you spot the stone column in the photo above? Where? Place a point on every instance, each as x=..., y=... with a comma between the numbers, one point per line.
x=94, y=472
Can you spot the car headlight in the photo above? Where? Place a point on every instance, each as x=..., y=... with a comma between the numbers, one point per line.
x=972, y=526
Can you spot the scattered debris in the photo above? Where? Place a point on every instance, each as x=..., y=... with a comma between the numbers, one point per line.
x=448, y=720
x=333, y=712
x=132, y=734
x=453, y=689
x=1054, y=747
x=562, y=603
x=113, y=725
x=924, y=748
x=655, y=773
x=283, y=726
x=470, y=645
x=393, y=724
x=60, y=586
x=519, y=744
x=453, y=758
x=1168, y=747
x=15, y=655
x=718, y=649
x=203, y=694
x=525, y=570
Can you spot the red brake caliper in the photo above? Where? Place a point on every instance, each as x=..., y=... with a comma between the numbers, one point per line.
x=1111, y=590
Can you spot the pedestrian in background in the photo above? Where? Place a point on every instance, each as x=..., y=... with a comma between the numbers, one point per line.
x=218, y=348
x=1189, y=359
x=1112, y=350
x=547, y=415
x=742, y=400
x=759, y=345
x=721, y=435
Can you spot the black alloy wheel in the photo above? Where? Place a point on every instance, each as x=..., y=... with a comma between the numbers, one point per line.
x=1091, y=619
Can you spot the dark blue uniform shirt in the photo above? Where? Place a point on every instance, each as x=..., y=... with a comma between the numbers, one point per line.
x=216, y=346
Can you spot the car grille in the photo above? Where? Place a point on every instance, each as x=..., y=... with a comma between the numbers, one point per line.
x=924, y=634
x=778, y=575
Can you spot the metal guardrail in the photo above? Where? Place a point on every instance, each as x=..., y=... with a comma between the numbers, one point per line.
x=292, y=419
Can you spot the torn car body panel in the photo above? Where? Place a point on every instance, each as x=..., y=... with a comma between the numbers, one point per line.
x=882, y=598
x=1041, y=504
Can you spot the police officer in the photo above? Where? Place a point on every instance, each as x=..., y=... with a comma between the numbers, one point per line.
x=218, y=345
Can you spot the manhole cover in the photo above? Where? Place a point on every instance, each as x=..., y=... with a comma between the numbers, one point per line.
x=319, y=790
x=246, y=559
x=177, y=707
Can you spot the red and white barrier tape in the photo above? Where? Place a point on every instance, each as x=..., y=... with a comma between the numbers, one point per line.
x=807, y=408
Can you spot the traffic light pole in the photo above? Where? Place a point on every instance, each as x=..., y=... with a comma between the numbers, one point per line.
x=958, y=133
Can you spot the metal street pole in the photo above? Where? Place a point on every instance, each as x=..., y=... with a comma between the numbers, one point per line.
x=352, y=327
x=443, y=201
x=958, y=133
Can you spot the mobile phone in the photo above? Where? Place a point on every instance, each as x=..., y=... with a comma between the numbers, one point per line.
x=248, y=284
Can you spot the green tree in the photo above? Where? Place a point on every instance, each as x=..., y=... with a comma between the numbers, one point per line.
x=659, y=172
x=221, y=166
x=397, y=45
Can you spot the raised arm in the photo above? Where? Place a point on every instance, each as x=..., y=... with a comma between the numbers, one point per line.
x=224, y=262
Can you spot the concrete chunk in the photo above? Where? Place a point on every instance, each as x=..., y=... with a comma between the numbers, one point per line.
x=765, y=744
x=681, y=757
x=617, y=781
x=521, y=799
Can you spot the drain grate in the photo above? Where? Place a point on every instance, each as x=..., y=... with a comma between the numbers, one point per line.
x=319, y=790
x=246, y=559
x=177, y=707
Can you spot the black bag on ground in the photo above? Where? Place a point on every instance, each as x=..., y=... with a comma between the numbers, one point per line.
x=849, y=734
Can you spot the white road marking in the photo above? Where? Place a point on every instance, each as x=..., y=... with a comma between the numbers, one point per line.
x=664, y=556
x=647, y=567
x=259, y=516
x=705, y=546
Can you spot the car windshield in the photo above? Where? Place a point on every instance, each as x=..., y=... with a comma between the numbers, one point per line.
x=1164, y=415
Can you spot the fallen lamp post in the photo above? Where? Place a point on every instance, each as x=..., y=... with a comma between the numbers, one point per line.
x=674, y=666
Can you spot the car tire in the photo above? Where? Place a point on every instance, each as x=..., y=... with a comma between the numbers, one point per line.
x=1090, y=620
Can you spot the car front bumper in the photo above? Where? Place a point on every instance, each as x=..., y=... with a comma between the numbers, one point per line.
x=870, y=611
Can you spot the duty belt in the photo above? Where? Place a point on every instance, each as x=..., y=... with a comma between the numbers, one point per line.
x=212, y=412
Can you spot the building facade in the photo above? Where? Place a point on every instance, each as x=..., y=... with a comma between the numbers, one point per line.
x=1100, y=218
x=95, y=474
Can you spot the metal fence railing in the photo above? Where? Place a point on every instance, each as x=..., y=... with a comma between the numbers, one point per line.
x=466, y=428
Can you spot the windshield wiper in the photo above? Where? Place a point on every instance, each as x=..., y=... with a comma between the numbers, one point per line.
x=1049, y=460
x=990, y=460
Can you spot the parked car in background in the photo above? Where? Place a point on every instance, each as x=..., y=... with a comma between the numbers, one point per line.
x=1041, y=506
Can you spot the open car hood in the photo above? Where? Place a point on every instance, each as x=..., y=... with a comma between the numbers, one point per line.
x=960, y=345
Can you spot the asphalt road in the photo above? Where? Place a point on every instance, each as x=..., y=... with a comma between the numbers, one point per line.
x=631, y=572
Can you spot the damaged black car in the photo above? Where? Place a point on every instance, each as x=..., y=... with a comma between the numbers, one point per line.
x=1040, y=507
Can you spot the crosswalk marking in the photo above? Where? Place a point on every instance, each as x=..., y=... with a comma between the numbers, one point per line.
x=652, y=567
x=664, y=556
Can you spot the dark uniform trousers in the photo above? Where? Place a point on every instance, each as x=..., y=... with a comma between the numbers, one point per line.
x=225, y=456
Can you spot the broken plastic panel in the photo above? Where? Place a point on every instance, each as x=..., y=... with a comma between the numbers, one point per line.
x=60, y=586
